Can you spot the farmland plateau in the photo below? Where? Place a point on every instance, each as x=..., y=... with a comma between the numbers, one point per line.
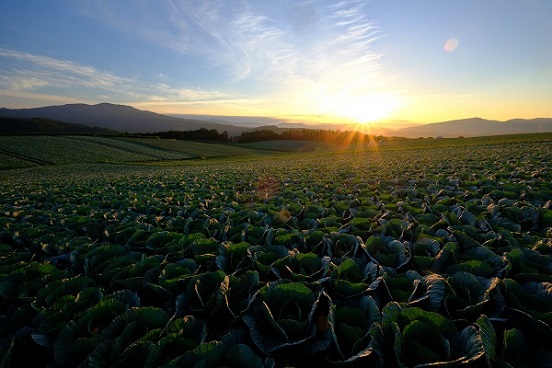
x=129, y=251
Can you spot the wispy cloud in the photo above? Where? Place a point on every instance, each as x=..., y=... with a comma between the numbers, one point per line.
x=298, y=54
x=251, y=41
x=234, y=36
x=24, y=72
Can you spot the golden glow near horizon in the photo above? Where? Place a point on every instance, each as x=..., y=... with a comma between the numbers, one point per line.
x=360, y=109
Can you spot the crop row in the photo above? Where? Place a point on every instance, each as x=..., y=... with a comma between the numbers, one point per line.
x=64, y=150
x=386, y=258
x=10, y=161
x=26, y=151
x=198, y=149
x=141, y=148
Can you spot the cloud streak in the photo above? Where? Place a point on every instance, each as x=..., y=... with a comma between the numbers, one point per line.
x=298, y=55
x=24, y=72
x=251, y=41
x=31, y=72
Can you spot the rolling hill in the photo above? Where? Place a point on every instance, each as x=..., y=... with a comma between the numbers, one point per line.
x=47, y=126
x=123, y=118
x=118, y=117
x=477, y=127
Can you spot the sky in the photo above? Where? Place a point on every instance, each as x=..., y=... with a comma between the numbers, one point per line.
x=390, y=61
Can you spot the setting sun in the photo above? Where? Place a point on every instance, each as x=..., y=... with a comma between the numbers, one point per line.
x=361, y=109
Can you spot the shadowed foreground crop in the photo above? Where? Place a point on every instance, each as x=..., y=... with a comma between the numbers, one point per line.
x=387, y=258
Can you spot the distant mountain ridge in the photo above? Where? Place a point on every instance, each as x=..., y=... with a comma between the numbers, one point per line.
x=124, y=118
x=474, y=127
x=118, y=117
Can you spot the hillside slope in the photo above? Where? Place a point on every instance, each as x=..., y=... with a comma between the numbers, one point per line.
x=10, y=125
x=118, y=117
x=18, y=151
x=477, y=127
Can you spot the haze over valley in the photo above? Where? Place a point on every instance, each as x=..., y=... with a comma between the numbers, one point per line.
x=127, y=119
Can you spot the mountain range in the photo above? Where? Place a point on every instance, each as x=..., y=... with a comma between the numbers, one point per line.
x=123, y=118
x=118, y=117
x=477, y=127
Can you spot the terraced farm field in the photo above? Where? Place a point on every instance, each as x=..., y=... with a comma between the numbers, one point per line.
x=28, y=151
x=297, y=146
x=195, y=149
x=10, y=161
x=420, y=253
x=66, y=150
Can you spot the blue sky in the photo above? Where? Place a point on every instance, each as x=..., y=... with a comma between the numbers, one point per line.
x=362, y=61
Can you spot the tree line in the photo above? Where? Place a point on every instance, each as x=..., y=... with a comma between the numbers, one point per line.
x=201, y=134
x=258, y=135
x=314, y=135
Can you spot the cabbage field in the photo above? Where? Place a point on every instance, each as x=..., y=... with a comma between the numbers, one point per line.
x=40, y=150
x=427, y=253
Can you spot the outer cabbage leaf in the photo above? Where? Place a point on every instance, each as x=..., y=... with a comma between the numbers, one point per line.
x=135, y=276
x=509, y=347
x=424, y=252
x=353, y=277
x=28, y=279
x=161, y=238
x=130, y=338
x=414, y=337
x=350, y=323
x=230, y=351
x=204, y=294
x=233, y=258
x=287, y=238
x=530, y=304
x=240, y=291
x=265, y=260
x=388, y=252
x=55, y=316
x=477, y=260
x=205, y=251
x=80, y=337
x=305, y=267
x=175, y=276
x=409, y=287
x=282, y=314
x=468, y=296
x=528, y=264
x=340, y=245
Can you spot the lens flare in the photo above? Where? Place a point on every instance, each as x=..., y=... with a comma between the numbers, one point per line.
x=451, y=44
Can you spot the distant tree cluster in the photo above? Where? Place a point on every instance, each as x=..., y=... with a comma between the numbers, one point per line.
x=314, y=135
x=201, y=134
x=258, y=136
